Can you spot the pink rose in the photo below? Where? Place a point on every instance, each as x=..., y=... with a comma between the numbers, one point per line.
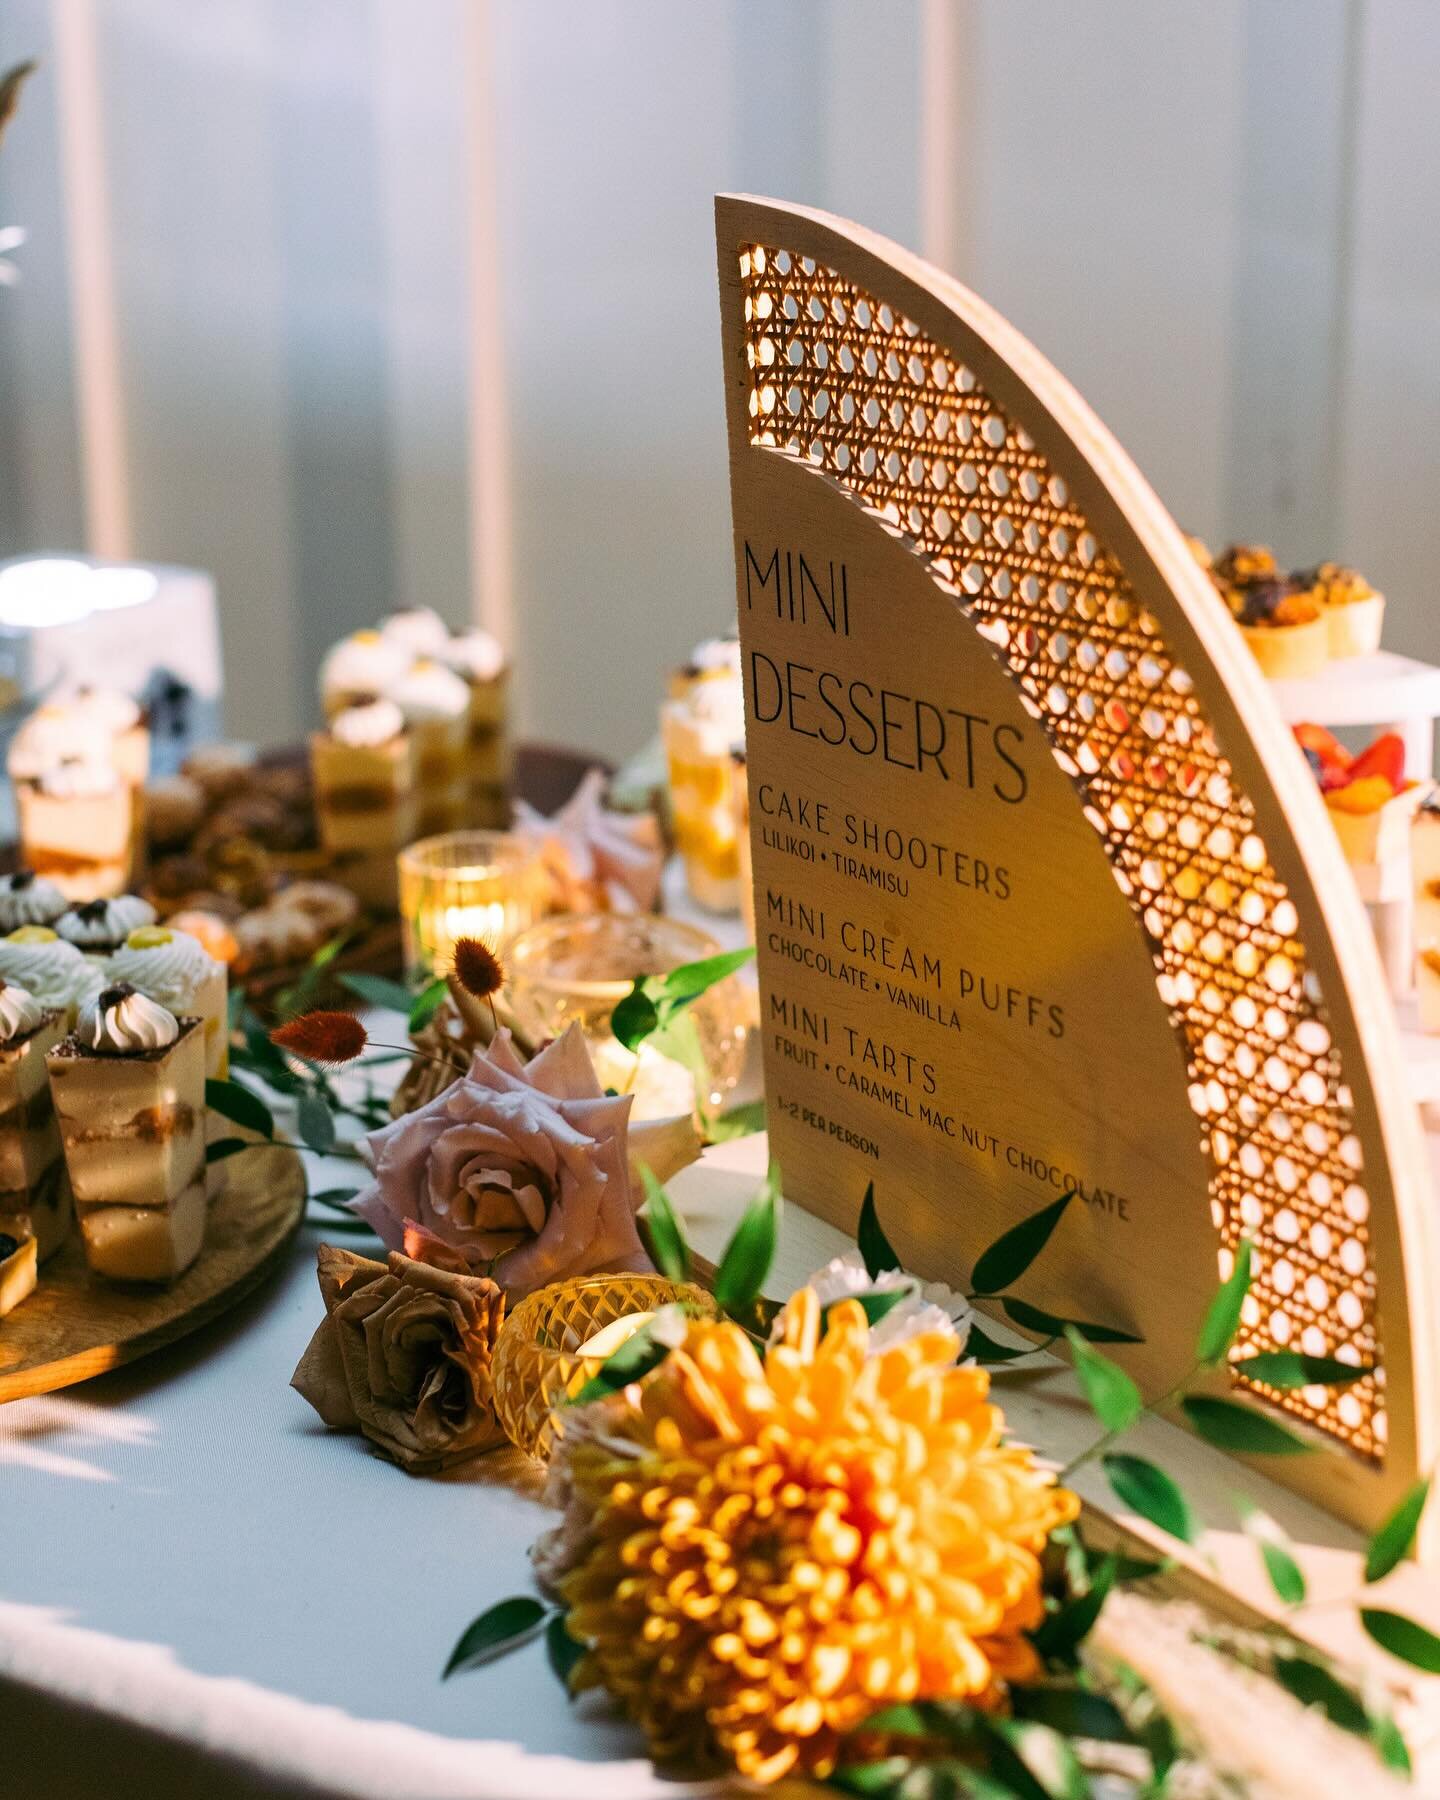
x=530, y=1171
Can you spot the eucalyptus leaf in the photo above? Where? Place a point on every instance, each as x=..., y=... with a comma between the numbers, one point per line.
x=1023, y=1751
x=1314, y=1685
x=427, y=1003
x=1034, y=1318
x=379, y=990
x=739, y=1122
x=227, y=1147
x=1072, y=1710
x=871, y=1779
x=316, y=1124
x=986, y=1351
x=1293, y=1369
x=240, y=1106
x=875, y=1302
x=1013, y=1251
x=1152, y=1493
x=336, y=1198
x=749, y=1254
x=562, y=1650
x=636, y=1357
x=501, y=1628
x=1287, y=1578
x=683, y=986
x=1063, y=1631
x=1114, y=1398
x=1391, y=1543
x=1222, y=1316
x=1229, y=1425
x=1404, y=1638
x=634, y=1018
x=667, y=1238
x=876, y=1251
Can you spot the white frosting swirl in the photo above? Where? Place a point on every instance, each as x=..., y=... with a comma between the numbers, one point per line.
x=28, y=899
x=44, y=965
x=108, y=709
x=476, y=655
x=713, y=655
x=104, y=924
x=419, y=629
x=369, y=725
x=20, y=1013
x=79, y=778
x=427, y=691
x=364, y=663
x=169, y=966
x=120, y=1021
x=52, y=735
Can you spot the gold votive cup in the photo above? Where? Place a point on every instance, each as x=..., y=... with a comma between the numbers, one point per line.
x=537, y=1366
x=581, y=965
x=482, y=884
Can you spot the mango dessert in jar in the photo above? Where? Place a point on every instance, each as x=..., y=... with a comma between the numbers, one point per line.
x=701, y=722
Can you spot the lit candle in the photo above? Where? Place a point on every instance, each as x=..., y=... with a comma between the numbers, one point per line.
x=480, y=884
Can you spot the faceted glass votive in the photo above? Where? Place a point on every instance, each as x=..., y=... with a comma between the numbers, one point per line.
x=581, y=965
x=538, y=1363
x=483, y=884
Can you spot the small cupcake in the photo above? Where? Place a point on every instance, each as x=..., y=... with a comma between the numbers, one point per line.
x=358, y=666
x=418, y=629
x=1353, y=611
x=28, y=899
x=1279, y=617
x=436, y=706
x=100, y=927
x=36, y=959
x=177, y=972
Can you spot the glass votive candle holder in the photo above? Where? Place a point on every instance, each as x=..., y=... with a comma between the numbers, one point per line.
x=540, y=1361
x=581, y=965
x=482, y=884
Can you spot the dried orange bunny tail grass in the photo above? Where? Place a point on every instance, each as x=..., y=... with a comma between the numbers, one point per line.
x=331, y=1038
x=476, y=974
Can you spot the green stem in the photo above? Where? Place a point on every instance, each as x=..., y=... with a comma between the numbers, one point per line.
x=1151, y=1407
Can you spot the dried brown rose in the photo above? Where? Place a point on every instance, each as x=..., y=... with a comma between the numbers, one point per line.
x=403, y=1354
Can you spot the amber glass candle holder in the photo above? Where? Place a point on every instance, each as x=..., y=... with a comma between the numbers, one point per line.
x=539, y=1360
x=580, y=966
x=482, y=884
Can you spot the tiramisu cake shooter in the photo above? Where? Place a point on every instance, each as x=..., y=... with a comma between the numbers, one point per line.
x=34, y=1189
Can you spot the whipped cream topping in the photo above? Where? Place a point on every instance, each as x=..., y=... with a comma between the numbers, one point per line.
x=477, y=655
x=20, y=1012
x=35, y=959
x=104, y=924
x=714, y=656
x=427, y=691
x=368, y=725
x=78, y=778
x=364, y=663
x=419, y=629
x=169, y=966
x=108, y=709
x=55, y=734
x=28, y=899
x=121, y=1021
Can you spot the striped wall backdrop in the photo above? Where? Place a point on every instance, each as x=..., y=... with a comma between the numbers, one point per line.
x=361, y=303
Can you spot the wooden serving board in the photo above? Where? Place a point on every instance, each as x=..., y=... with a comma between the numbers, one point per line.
x=74, y=1325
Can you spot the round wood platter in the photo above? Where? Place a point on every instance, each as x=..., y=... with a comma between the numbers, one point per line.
x=74, y=1325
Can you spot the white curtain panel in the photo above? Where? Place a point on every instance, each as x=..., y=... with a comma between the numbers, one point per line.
x=412, y=301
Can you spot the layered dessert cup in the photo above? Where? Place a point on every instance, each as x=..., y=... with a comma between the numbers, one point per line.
x=18, y=1258
x=435, y=703
x=34, y=1189
x=129, y=1091
x=76, y=827
x=364, y=773
x=358, y=667
x=701, y=723
x=477, y=658
x=177, y=971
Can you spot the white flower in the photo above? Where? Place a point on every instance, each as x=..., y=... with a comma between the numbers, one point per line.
x=931, y=1306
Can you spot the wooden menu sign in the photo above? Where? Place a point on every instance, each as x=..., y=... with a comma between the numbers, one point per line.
x=1046, y=901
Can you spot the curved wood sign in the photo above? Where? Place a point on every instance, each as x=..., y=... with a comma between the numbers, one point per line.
x=1046, y=898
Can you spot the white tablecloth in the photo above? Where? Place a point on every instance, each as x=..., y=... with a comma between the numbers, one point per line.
x=205, y=1592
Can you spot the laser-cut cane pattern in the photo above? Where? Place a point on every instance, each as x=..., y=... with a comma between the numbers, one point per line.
x=845, y=383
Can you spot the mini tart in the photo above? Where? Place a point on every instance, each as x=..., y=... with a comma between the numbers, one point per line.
x=1375, y=834
x=1283, y=624
x=19, y=1256
x=1354, y=613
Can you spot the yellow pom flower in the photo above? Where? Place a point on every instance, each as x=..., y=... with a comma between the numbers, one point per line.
x=772, y=1551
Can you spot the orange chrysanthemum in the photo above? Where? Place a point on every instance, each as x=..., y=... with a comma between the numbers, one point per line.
x=332, y=1038
x=790, y=1545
